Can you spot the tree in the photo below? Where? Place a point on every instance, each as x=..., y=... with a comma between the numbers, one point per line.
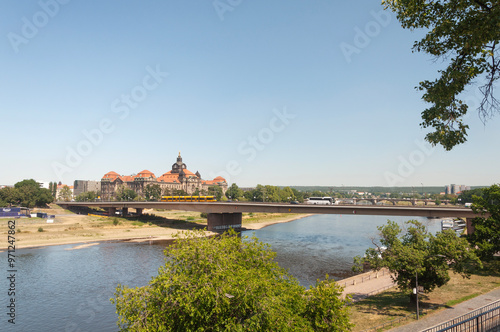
x=468, y=33
x=26, y=193
x=87, y=196
x=467, y=195
x=234, y=192
x=215, y=191
x=152, y=192
x=486, y=235
x=65, y=194
x=125, y=194
x=418, y=252
x=228, y=284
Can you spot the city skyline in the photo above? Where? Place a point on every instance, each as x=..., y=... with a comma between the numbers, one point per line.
x=259, y=93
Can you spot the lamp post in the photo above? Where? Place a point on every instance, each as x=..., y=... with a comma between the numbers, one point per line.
x=416, y=282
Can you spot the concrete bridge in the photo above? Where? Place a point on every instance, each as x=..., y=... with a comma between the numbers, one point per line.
x=222, y=216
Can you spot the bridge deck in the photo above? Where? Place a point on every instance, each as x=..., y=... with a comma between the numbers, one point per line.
x=239, y=207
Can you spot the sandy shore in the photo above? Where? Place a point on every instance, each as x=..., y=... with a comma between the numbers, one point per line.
x=85, y=230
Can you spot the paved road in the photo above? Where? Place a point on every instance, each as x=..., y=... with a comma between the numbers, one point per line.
x=450, y=313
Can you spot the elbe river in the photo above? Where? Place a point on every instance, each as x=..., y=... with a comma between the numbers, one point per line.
x=69, y=290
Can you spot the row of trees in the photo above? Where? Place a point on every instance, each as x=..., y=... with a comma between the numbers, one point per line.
x=265, y=194
x=26, y=193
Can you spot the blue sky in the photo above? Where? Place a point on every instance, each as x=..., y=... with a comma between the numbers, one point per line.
x=270, y=92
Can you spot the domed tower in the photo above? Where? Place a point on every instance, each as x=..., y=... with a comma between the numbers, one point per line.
x=179, y=165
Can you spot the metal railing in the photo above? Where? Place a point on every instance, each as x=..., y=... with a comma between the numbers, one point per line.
x=363, y=278
x=484, y=319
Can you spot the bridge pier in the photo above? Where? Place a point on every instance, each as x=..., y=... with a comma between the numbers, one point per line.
x=224, y=221
x=469, y=226
x=111, y=211
x=124, y=212
x=138, y=211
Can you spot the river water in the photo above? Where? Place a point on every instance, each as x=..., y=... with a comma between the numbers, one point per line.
x=58, y=289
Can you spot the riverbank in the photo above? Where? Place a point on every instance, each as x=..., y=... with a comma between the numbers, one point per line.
x=71, y=228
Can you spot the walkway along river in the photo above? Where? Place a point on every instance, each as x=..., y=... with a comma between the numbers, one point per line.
x=62, y=288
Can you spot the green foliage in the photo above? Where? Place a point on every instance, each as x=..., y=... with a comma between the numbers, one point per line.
x=468, y=34
x=115, y=221
x=486, y=235
x=204, y=215
x=215, y=191
x=152, y=192
x=88, y=196
x=65, y=194
x=26, y=193
x=467, y=196
x=417, y=251
x=272, y=194
x=40, y=229
x=125, y=194
x=228, y=284
x=234, y=192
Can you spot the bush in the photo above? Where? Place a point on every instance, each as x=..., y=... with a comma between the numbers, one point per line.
x=204, y=215
x=115, y=221
x=231, y=284
x=40, y=229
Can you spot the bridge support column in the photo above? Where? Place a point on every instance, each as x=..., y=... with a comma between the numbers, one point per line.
x=124, y=212
x=223, y=221
x=111, y=211
x=138, y=211
x=470, y=228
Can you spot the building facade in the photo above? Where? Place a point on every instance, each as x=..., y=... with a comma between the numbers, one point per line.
x=178, y=178
x=83, y=186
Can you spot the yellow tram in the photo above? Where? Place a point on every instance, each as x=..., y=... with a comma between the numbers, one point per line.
x=188, y=199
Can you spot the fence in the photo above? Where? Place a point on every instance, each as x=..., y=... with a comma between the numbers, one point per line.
x=363, y=278
x=484, y=319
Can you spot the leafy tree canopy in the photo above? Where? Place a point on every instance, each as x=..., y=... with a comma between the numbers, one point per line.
x=234, y=192
x=87, y=196
x=486, y=235
x=215, y=191
x=418, y=251
x=26, y=193
x=152, y=192
x=125, y=194
x=65, y=194
x=467, y=32
x=228, y=284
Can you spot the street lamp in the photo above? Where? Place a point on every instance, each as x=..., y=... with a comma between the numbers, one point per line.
x=416, y=282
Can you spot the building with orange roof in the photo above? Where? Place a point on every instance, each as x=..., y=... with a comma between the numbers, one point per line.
x=178, y=178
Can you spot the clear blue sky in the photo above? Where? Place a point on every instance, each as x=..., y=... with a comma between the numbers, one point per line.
x=270, y=92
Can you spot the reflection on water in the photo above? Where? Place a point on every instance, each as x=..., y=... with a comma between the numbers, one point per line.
x=69, y=290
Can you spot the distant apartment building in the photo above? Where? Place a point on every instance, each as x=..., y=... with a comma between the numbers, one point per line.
x=83, y=186
x=455, y=189
x=178, y=178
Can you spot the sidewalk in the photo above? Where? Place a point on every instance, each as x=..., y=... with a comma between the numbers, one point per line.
x=366, y=284
x=450, y=313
